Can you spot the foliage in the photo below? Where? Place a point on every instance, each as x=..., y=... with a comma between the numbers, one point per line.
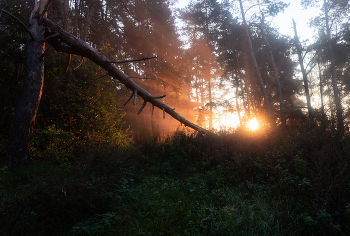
x=227, y=184
x=51, y=143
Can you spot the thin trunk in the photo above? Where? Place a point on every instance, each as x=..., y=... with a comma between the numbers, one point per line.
x=256, y=67
x=209, y=72
x=76, y=14
x=237, y=104
x=340, y=123
x=88, y=21
x=64, y=8
x=246, y=87
x=277, y=78
x=303, y=71
x=23, y=119
x=323, y=115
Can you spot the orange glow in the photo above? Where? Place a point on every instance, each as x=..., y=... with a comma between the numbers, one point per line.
x=253, y=124
x=225, y=121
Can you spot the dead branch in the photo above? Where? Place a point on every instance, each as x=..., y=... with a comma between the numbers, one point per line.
x=143, y=106
x=81, y=62
x=129, y=99
x=135, y=97
x=132, y=60
x=68, y=61
x=50, y=37
x=45, y=52
x=163, y=96
x=127, y=9
x=133, y=77
x=19, y=21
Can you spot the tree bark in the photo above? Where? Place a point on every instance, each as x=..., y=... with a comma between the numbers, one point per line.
x=277, y=78
x=303, y=71
x=24, y=117
x=256, y=67
x=340, y=123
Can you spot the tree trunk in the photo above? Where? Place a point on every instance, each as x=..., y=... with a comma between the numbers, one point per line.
x=24, y=117
x=323, y=115
x=237, y=104
x=277, y=78
x=303, y=71
x=340, y=123
x=256, y=67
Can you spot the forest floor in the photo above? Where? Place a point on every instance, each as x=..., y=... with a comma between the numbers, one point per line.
x=229, y=184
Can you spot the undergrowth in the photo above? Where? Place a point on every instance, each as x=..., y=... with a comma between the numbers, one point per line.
x=225, y=184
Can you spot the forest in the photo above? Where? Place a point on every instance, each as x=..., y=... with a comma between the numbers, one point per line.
x=140, y=117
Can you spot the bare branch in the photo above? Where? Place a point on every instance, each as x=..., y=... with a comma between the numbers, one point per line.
x=19, y=21
x=143, y=106
x=163, y=96
x=45, y=52
x=311, y=69
x=135, y=97
x=127, y=9
x=81, y=62
x=129, y=99
x=51, y=37
x=133, y=77
x=68, y=62
x=132, y=60
x=44, y=10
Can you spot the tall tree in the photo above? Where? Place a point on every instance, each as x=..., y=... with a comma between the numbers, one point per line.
x=340, y=122
x=27, y=107
x=303, y=71
x=275, y=73
x=255, y=64
x=333, y=11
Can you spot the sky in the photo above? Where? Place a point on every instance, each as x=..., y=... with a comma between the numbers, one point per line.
x=284, y=20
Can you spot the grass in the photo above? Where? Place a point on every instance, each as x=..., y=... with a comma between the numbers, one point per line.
x=230, y=184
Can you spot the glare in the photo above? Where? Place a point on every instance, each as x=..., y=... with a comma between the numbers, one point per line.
x=225, y=121
x=253, y=124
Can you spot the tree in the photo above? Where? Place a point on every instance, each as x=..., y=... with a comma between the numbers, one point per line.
x=276, y=75
x=255, y=65
x=303, y=71
x=62, y=41
x=340, y=122
x=23, y=120
x=333, y=11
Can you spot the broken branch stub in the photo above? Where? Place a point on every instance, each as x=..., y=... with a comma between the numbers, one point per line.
x=68, y=43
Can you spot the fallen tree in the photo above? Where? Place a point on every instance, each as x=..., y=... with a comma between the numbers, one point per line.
x=63, y=41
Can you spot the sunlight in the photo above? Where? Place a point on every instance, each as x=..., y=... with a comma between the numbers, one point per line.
x=225, y=121
x=253, y=124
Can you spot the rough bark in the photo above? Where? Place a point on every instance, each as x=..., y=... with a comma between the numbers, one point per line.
x=277, y=78
x=303, y=71
x=65, y=42
x=24, y=117
x=340, y=123
x=255, y=63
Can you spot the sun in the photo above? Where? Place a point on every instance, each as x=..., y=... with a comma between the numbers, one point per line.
x=253, y=124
